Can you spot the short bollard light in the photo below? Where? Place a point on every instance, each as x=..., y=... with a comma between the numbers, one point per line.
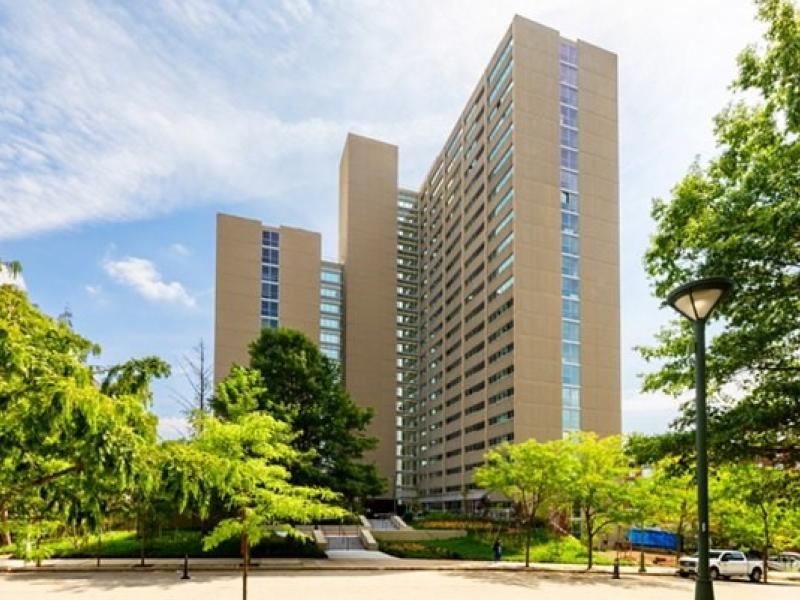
x=615, y=572
x=185, y=567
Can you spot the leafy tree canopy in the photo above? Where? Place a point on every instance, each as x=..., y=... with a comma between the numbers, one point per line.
x=301, y=386
x=61, y=434
x=739, y=216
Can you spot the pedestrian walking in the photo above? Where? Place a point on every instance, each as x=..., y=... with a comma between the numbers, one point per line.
x=497, y=547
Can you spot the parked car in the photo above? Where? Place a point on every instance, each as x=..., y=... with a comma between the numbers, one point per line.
x=785, y=561
x=724, y=564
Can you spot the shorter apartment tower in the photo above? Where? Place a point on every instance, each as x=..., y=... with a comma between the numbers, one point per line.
x=270, y=276
x=480, y=308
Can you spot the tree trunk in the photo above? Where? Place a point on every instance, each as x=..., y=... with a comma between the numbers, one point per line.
x=528, y=546
x=6, y=539
x=99, y=544
x=245, y=564
x=765, y=553
x=140, y=527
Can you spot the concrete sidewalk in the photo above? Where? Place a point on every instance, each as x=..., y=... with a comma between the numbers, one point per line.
x=357, y=562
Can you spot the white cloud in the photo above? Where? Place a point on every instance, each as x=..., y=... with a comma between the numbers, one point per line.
x=143, y=276
x=179, y=249
x=94, y=290
x=8, y=278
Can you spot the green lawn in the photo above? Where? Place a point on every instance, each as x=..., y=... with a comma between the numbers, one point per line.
x=478, y=546
x=124, y=544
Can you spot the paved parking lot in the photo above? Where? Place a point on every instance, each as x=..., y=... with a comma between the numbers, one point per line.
x=372, y=585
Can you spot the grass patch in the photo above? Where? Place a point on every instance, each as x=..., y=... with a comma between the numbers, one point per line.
x=478, y=546
x=124, y=544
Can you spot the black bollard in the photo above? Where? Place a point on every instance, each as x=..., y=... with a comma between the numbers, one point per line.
x=615, y=572
x=185, y=567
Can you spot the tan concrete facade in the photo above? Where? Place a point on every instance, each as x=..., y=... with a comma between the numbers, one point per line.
x=237, y=303
x=237, y=318
x=367, y=248
x=300, y=252
x=537, y=233
x=599, y=184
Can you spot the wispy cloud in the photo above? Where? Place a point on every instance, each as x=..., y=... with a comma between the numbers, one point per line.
x=178, y=249
x=143, y=276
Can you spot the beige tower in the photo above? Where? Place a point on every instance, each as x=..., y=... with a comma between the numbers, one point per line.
x=479, y=309
x=519, y=262
x=265, y=276
x=367, y=248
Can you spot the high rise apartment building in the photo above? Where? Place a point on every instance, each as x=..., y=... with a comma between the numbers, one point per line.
x=482, y=307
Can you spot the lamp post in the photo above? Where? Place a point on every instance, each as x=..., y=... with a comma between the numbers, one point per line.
x=695, y=301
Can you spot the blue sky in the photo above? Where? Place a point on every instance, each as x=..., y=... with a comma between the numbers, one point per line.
x=125, y=126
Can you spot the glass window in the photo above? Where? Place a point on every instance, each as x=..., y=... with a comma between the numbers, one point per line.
x=269, y=273
x=570, y=397
x=570, y=287
x=569, y=75
x=500, y=60
x=569, y=95
x=330, y=338
x=570, y=331
x=269, y=290
x=569, y=243
x=331, y=276
x=569, y=223
x=331, y=353
x=269, y=308
x=569, y=181
x=568, y=53
x=571, y=419
x=329, y=292
x=569, y=266
x=569, y=201
x=496, y=148
x=570, y=309
x=502, y=162
x=498, y=86
x=569, y=116
x=569, y=159
x=269, y=322
x=502, y=203
x=330, y=308
x=269, y=256
x=569, y=137
x=270, y=238
x=570, y=353
x=502, y=245
x=507, y=262
x=502, y=224
x=329, y=323
x=503, y=181
x=570, y=374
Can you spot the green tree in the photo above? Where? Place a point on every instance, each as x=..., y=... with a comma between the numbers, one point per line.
x=739, y=215
x=60, y=432
x=302, y=387
x=676, y=494
x=531, y=475
x=596, y=472
x=246, y=462
x=752, y=506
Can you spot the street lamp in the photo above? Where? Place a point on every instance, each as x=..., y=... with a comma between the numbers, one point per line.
x=696, y=301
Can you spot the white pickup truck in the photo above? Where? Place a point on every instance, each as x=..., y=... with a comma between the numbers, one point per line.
x=723, y=563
